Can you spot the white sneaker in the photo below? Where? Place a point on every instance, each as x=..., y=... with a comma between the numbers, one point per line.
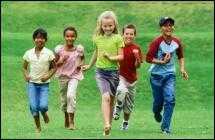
x=124, y=126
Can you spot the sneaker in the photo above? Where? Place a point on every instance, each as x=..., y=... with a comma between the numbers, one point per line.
x=158, y=117
x=165, y=132
x=124, y=126
x=116, y=116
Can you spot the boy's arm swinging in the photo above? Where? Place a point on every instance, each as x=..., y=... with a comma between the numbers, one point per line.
x=25, y=71
x=52, y=70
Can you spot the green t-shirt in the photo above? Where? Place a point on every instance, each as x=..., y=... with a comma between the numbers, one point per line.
x=110, y=45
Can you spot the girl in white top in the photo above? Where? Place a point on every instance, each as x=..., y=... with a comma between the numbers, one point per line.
x=38, y=67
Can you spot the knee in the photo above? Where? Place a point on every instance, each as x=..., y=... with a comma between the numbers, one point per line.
x=106, y=97
x=71, y=97
x=170, y=100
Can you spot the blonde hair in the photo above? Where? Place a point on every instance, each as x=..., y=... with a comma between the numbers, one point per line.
x=106, y=15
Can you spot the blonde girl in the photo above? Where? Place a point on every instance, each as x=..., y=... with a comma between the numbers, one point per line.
x=107, y=42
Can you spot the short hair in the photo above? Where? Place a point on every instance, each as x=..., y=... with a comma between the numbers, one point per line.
x=41, y=32
x=129, y=26
x=70, y=28
x=106, y=15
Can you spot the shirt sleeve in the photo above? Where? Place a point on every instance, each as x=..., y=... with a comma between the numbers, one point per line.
x=51, y=56
x=179, y=50
x=26, y=57
x=120, y=42
x=80, y=50
x=153, y=49
x=57, y=49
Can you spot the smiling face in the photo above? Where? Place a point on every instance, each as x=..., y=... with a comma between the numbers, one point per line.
x=70, y=37
x=108, y=26
x=39, y=41
x=167, y=29
x=129, y=35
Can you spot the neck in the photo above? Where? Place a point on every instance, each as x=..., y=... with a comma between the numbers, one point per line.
x=38, y=48
x=167, y=38
x=69, y=46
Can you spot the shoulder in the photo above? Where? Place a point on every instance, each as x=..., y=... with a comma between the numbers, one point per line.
x=30, y=51
x=58, y=48
x=48, y=51
x=158, y=39
x=80, y=47
x=176, y=39
x=135, y=45
x=117, y=36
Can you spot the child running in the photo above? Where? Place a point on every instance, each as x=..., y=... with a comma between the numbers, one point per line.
x=107, y=43
x=161, y=53
x=69, y=59
x=127, y=75
x=38, y=67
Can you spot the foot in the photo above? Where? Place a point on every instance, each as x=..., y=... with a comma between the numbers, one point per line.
x=165, y=132
x=158, y=117
x=45, y=117
x=38, y=130
x=107, y=129
x=71, y=127
x=66, y=120
x=124, y=125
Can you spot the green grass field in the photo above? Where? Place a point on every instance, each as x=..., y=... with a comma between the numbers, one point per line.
x=194, y=111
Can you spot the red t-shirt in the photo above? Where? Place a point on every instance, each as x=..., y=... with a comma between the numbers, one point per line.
x=127, y=65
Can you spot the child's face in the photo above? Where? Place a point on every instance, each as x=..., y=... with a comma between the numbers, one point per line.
x=167, y=29
x=108, y=26
x=39, y=41
x=70, y=37
x=128, y=36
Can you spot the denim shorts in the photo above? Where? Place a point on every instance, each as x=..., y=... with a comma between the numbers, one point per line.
x=107, y=81
x=38, y=97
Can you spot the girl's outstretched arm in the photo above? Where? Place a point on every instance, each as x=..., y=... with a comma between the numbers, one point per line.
x=92, y=61
x=118, y=57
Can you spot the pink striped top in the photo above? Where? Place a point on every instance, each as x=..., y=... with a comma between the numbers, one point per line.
x=69, y=67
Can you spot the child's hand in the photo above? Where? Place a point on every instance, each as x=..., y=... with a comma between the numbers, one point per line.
x=43, y=79
x=85, y=67
x=166, y=58
x=65, y=58
x=136, y=53
x=27, y=78
x=184, y=74
x=106, y=55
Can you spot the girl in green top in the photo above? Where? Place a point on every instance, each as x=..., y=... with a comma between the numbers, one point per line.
x=108, y=51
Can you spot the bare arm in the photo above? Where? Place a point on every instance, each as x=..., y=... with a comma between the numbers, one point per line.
x=25, y=71
x=51, y=71
x=182, y=69
x=92, y=61
x=164, y=61
x=117, y=57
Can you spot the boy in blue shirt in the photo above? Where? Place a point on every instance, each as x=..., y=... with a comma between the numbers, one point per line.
x=161, y=53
